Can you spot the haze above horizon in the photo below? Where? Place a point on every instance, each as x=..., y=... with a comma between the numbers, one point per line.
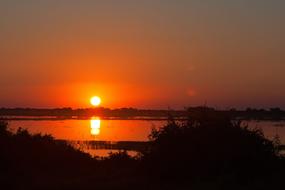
x=145, y=54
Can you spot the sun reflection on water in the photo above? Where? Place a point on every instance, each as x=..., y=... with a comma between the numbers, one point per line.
x=95, y=123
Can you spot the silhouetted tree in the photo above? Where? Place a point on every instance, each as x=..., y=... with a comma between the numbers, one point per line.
x=210, y=145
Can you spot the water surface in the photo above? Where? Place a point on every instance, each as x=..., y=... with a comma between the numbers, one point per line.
x=97, y=129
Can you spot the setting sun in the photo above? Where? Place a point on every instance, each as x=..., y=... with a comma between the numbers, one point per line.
x=95, y=101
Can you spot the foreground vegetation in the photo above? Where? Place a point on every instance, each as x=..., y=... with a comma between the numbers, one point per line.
x=208, y=150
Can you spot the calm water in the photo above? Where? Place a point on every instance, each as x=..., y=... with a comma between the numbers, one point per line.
x=117, y=130
x=93, y=129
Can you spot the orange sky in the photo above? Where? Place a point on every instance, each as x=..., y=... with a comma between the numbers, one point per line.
x=148, y=54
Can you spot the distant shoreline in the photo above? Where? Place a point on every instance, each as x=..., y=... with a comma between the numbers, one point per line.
x=44, y=118
x=273, y=114
x=39, y=118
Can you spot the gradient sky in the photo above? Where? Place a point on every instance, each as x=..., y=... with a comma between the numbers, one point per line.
x=146, y=54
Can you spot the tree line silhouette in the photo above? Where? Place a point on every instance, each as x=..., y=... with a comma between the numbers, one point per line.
x=131, y=113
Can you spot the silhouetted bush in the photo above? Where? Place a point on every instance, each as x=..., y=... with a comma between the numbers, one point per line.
x=40, y=162
x=210, y=146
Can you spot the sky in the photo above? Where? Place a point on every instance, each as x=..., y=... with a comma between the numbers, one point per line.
x=142, y=53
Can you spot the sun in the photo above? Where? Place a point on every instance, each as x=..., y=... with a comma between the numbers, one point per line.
x=95, y=100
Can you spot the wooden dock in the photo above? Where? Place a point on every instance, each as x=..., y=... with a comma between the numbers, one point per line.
x=139, y=146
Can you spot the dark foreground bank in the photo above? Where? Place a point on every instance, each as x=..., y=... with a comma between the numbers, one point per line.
x=207, y=151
